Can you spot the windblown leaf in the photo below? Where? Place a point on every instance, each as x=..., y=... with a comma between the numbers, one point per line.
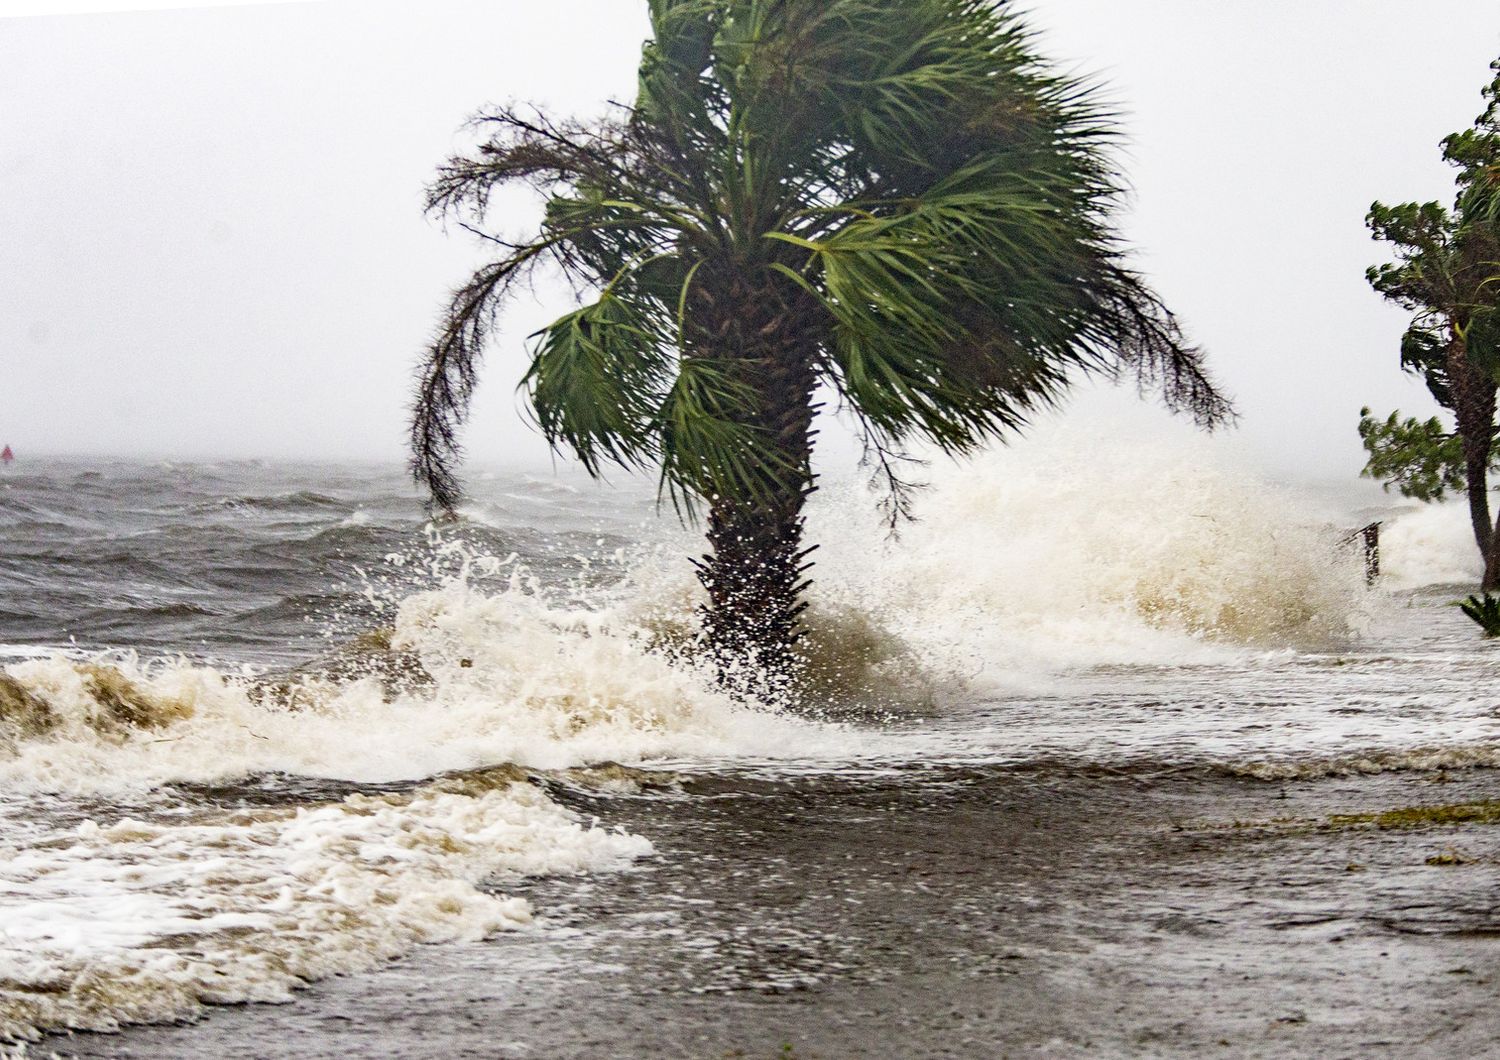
x=596, y=379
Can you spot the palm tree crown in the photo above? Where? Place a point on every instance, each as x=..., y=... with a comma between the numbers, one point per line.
x=937, y=203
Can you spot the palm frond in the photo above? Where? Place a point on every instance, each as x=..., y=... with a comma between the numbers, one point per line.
x=597, y=377
x=710, y=446
x=1130, y=323
x=1484, y=611
x=447, y=376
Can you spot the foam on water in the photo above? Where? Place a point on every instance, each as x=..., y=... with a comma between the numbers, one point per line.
x=145, y=920
x=1429, y=544
x=508, y=677
x=1064, y=600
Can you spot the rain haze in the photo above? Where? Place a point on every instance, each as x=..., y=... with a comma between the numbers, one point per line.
x=1131, y=741
x=213, y=238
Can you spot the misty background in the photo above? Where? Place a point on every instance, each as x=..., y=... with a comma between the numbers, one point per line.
x=212, y=240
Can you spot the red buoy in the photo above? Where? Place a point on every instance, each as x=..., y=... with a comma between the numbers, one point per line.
x=7, y=456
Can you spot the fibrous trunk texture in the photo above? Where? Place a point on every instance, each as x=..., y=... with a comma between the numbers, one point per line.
x=756, y=570
x=1473, y=393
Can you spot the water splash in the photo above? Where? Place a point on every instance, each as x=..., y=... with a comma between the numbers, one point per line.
x=128, y=898
x=1429, y=545
x=1068, y=555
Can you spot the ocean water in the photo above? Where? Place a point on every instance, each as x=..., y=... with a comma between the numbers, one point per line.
x=261, y=724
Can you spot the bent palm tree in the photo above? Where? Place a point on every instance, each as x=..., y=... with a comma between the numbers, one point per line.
x=894, y=199
x=1446, y=272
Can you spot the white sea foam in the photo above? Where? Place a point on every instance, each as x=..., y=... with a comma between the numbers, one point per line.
x=25, y=651
x=516, y=678
x=1026, y=568
x=1429, y=544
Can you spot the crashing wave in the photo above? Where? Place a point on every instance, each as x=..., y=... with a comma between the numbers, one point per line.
x=143, y=920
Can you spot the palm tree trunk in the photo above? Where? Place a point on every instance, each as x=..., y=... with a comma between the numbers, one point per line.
x=756, y=571
x=1491, y=581
x=1476, y=464
x=755, y=576
x=1473, y=395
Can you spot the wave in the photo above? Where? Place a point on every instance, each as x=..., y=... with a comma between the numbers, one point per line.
x=124, y=899
x=1430, y=545
x=144, y=920
x=1066, y=555
x=509, y=677
x=1020, y=565
x=1372, y=762
x=301, y=501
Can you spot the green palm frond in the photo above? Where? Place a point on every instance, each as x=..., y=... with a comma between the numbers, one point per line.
x=709, y=447
x=1485, y=611
x=597, y=377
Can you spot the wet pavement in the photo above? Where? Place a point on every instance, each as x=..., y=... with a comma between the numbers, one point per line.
x=957, y=912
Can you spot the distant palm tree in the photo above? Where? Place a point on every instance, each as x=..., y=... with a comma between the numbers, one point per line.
x=1446, y=272
x=893, y=198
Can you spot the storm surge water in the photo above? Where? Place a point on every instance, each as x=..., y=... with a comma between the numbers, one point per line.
x=264, y=724
x=173, y=835
x=1067, y=557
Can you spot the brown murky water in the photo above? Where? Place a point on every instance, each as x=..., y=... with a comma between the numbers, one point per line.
x=962, y=913
x=1121, y=793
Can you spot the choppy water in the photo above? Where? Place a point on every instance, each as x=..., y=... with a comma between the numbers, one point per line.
x=262, y=724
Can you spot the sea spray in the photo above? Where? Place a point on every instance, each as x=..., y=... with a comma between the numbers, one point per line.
x=1105, y=570
x=515, y=679
x=1044, y=559
x=1429, y=545
x=1064, y=554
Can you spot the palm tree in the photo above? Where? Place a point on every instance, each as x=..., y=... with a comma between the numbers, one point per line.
x=1476, y=153
x=1439, y=275
x=1447, y=274
x=896, y=200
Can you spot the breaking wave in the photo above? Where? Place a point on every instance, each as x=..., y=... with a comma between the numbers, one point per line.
x=125, y=897
x=1428, y=545
x=1064, y=555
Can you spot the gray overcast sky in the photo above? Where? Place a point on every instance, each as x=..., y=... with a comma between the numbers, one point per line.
x=211, y=240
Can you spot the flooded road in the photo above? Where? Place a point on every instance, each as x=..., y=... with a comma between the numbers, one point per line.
x=962, y=913
x=1174, y=782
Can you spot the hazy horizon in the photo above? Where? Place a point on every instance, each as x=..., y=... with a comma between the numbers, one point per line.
x=216, y=246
